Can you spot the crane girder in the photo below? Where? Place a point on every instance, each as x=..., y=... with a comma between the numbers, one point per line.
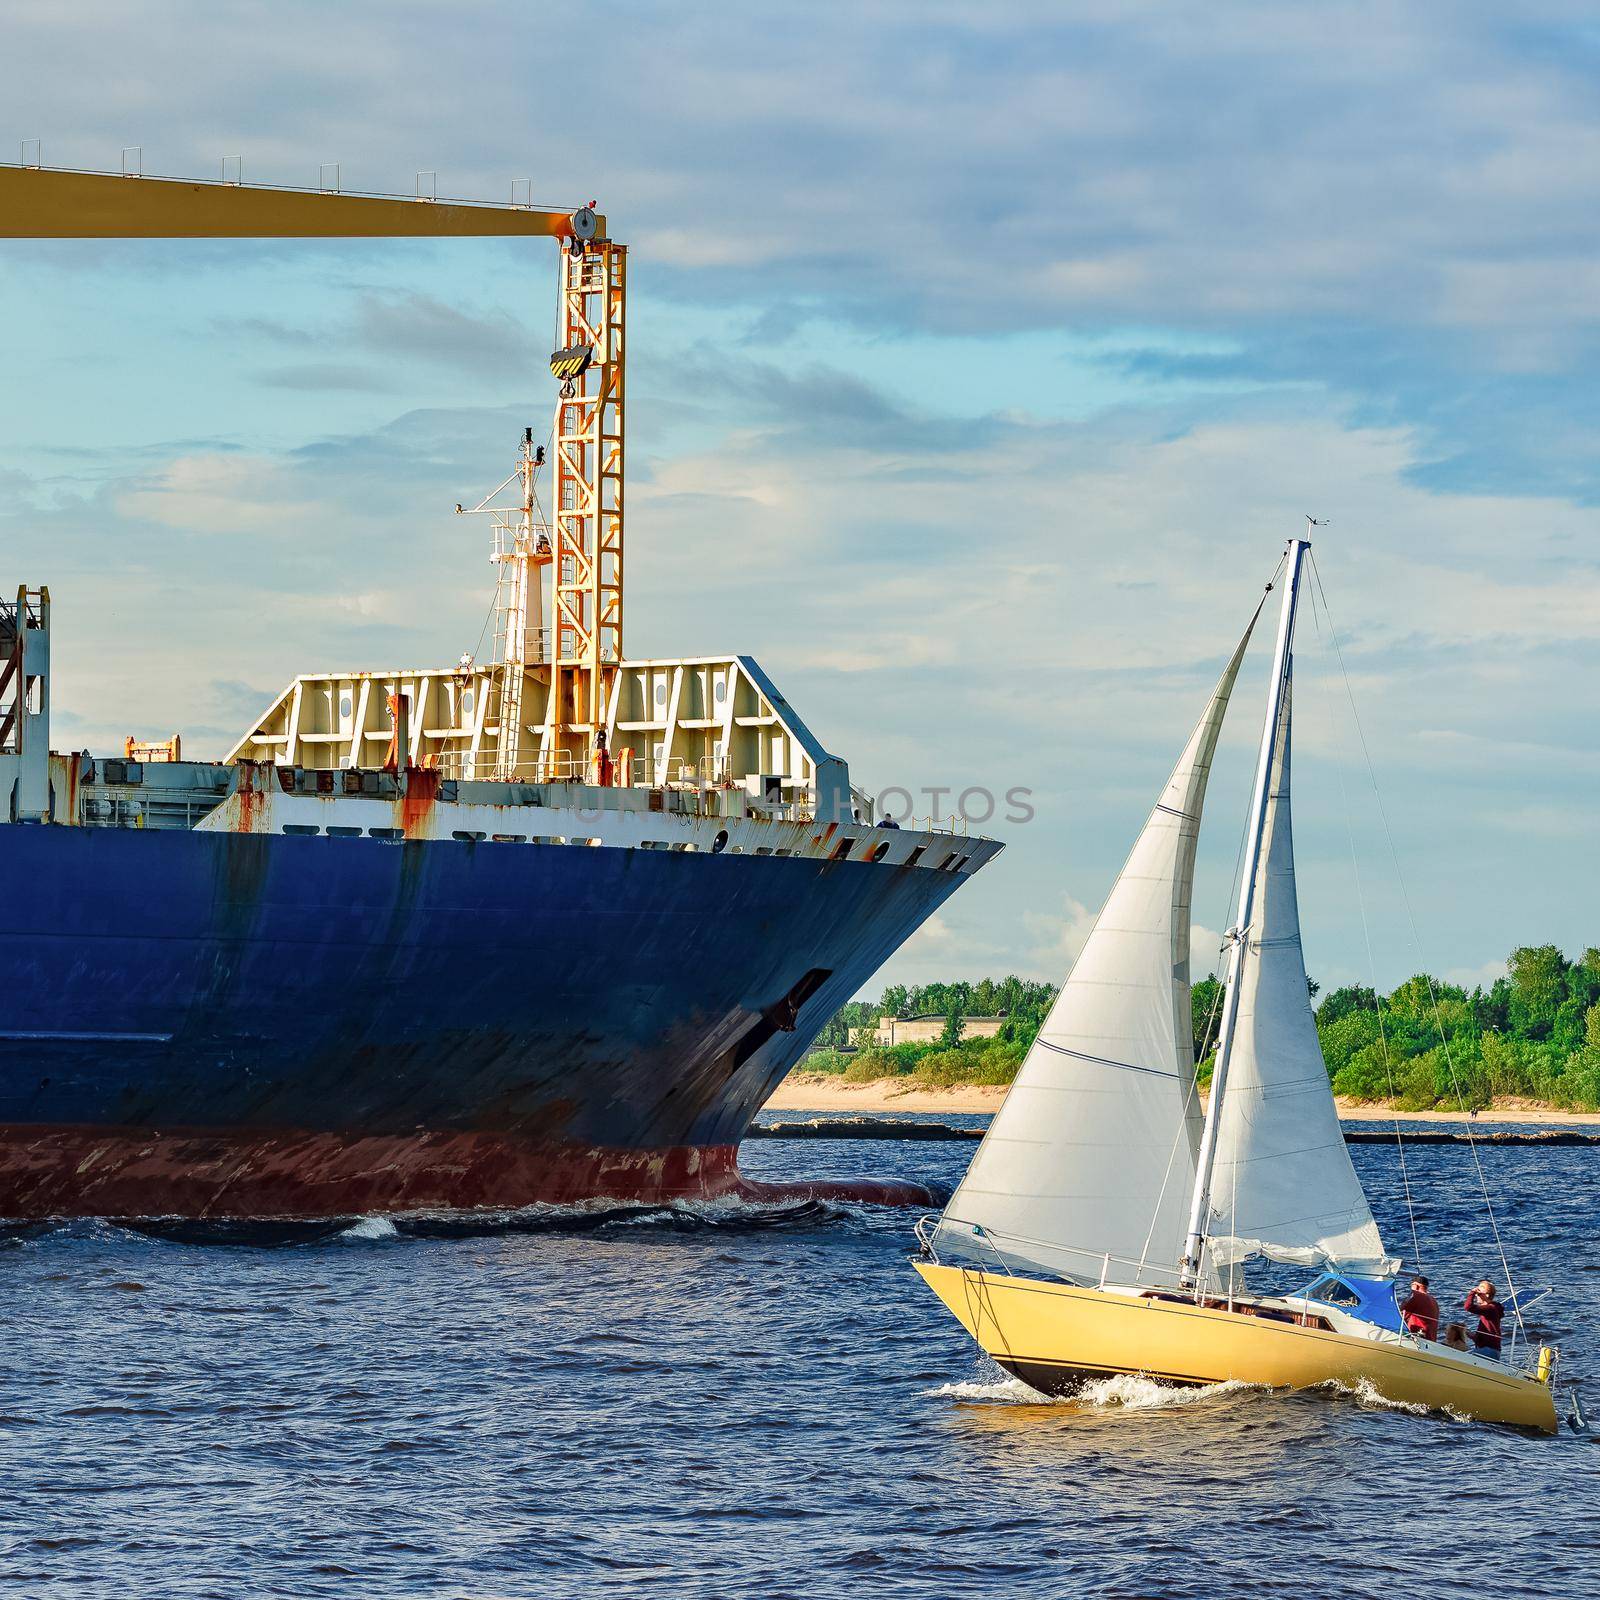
x=52, y=203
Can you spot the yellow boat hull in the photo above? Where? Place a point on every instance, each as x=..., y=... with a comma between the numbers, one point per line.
x=1053, y=1336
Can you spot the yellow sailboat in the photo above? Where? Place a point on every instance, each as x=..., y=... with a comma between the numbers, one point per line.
x=1105, y=1226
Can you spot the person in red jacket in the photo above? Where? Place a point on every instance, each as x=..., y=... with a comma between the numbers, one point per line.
x=1419, y=1310
x=1490, y=1313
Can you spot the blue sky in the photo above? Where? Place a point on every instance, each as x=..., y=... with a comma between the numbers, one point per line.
x=981, y=360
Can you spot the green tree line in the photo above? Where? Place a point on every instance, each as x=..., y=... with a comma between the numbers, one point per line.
x=1533, y=1034
x=952, y=1058
x=1021, y=1003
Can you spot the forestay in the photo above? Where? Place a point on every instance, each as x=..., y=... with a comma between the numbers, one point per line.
x=1283, y=1186
x=1092, y=1153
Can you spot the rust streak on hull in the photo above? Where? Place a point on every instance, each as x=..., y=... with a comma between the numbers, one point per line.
x=417, y=800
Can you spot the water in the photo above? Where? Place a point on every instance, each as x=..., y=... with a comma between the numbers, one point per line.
x=694, y=1406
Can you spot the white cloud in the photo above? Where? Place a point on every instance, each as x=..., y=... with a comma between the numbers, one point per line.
x=1573, y=820
x=1058, y=937
x=1484, y=976
x=1205, y=957
x=218, y=494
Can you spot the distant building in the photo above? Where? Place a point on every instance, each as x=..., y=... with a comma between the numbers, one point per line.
x=928, y=1030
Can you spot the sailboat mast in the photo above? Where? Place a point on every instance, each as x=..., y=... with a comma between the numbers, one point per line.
x=1239, y=933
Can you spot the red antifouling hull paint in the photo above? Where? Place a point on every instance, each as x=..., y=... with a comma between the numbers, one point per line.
x=83, y=1172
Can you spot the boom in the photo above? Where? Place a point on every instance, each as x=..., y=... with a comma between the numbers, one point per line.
x=52, y=203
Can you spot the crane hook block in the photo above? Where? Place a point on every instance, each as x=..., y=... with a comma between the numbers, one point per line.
x=572, y=362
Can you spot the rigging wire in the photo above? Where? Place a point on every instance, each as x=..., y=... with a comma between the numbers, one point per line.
x=1233, y=1209
x=1433, y=998
x=488, y=617
x=1317, y=615
x=1191, y=1098
x=1216, y=1006
x=1191, y=1095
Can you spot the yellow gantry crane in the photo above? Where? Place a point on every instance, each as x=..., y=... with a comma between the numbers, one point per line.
x=585, y=548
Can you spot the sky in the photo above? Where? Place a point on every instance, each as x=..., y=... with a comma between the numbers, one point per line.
x=981, y=361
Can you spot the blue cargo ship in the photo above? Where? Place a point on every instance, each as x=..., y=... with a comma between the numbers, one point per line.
x=268, y=989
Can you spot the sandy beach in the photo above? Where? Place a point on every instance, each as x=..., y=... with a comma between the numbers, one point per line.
x=815, y=1091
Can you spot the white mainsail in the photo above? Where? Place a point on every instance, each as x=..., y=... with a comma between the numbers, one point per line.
x=1283, y=1186
x=1092, y=1153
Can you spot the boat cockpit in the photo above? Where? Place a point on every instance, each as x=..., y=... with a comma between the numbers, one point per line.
x=1371, y=1300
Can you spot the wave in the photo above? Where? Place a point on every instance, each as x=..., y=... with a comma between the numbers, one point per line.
x=730, y=1215
x=19, y=1233
x=1124, y=1391
x=371, y=1228
x=1007, y=1391
x=1133, y=1393
x=266, y=1233
x=1366, y=1395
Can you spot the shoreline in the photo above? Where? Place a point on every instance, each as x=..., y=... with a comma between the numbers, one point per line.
x=817, y=1091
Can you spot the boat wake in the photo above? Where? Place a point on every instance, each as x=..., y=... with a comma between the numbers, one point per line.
x=730, y=1215
x=1128, y=1392
x=1131, y=1392
x=371, y=1228
x=1121, y=1391
x=1003, y=1391
x=266, y=1233
x=1366, y=1395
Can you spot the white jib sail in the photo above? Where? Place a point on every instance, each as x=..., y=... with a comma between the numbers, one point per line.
x=1092, y=1153
x=1283, y=1186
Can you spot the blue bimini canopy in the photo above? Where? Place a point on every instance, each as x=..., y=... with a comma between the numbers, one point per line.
x=1370, y=1299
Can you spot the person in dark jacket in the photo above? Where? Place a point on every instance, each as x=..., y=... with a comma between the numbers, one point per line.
x=1490, y=1313
x=1419, y=1310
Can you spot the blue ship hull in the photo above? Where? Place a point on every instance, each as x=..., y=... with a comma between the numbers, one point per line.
x=230, y=1024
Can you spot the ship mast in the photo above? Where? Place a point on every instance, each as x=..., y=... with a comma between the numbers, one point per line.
x=519, y=580
x=521, y=553
x=1239, y=934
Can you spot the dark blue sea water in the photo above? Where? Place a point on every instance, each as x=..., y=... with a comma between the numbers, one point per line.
x=665, y=1407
